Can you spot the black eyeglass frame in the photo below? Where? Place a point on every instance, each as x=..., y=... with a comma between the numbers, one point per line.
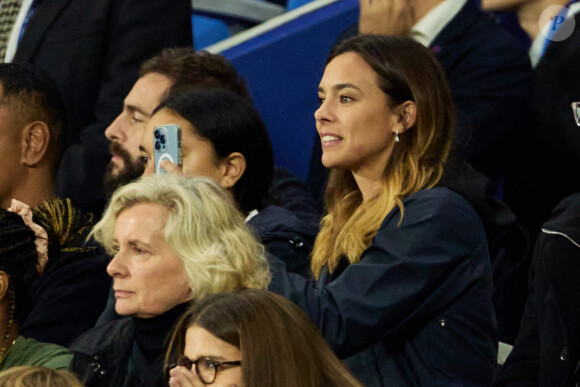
x=184, y=361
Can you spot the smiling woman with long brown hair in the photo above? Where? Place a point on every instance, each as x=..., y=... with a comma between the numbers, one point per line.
x=403, y=278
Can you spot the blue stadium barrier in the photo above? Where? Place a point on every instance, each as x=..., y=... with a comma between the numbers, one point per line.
x=215, y=20
x=208, y=30
x=293, y=4
x=283, y=67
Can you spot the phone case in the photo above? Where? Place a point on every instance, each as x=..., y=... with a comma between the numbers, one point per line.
x=167, y=145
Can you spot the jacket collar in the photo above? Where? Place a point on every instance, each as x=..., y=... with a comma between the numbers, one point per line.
x=565, y=219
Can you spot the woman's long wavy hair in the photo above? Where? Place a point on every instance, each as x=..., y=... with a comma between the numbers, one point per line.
x=405, y=71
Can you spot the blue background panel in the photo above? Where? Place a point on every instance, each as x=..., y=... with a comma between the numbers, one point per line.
x=283, y=68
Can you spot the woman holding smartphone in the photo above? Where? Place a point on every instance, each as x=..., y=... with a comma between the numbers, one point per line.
x=224, y=138
x=403, y=288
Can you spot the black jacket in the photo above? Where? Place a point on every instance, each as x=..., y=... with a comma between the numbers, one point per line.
x=100, y=356
x=66, y=300
x=125, y=353
x=546, y=164
x=547, y=350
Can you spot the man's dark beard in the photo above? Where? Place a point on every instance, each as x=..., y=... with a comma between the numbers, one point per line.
x=131, y=170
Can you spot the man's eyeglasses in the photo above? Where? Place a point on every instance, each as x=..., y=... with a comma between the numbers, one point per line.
x=576, y=110
x=206, y=368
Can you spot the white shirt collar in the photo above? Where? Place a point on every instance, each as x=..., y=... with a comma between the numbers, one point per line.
x=427, y=29
x=251, y=215
x=537, y=48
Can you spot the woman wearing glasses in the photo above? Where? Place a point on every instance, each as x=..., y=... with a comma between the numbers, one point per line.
x=174, y=240
x=252, y=338
x=403, y=287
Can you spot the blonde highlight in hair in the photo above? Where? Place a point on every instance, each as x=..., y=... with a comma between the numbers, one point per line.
x=204, y=228
x=33, y=376
x=405, y=71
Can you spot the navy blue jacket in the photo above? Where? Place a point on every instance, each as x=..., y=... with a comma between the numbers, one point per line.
x=417, y=308
x=286, y=236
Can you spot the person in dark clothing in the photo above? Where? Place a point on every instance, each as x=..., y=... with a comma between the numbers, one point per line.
x=288, y=222
x=24, y=249
x=224, y=138
x=403, y=288
x=544, y=167
x=93, y=50
x=174, y=239
x=490, y=78
x=68, y=298
x=547, y=349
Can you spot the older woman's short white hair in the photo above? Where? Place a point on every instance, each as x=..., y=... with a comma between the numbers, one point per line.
x=204, y=228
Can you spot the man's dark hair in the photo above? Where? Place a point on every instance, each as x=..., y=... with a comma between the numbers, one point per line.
x=184, y=66
x=232, y=124
x=32, y=95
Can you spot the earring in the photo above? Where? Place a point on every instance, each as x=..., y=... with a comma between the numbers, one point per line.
x=397, y=139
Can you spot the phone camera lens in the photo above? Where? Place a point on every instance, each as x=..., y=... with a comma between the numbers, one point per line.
x=162, y=139
x=156, y=134
x=157, y=145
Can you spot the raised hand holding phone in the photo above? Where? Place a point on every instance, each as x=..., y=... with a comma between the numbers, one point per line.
x=167, y=147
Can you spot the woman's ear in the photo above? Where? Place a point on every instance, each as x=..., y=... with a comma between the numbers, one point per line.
x=407, y=114
x=234, y=167
x=36, y=137
x=4, y=284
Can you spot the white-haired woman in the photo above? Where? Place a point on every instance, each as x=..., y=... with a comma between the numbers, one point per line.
x=174, y=240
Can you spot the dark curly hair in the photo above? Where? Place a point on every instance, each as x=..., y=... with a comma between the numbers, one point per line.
x=32, y=95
